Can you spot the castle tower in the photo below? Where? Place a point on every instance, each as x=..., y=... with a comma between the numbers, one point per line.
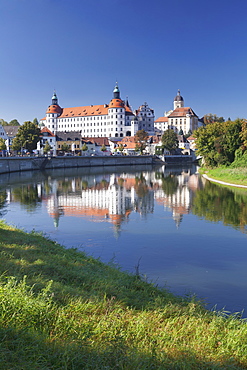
x=54, y=99
x=116, y=92
x=178, y=101
x=52, y=113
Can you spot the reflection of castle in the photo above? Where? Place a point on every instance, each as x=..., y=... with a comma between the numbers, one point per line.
x=109, y=199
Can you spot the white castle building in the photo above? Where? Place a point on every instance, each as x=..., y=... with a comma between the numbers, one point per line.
x=180, y=118
x=115, y=119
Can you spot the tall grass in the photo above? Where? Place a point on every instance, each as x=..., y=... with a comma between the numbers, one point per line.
x=60, y=309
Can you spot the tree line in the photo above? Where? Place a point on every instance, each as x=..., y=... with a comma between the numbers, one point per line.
x=220, y=143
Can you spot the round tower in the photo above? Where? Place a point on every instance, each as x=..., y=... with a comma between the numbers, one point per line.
x=178, y=101
x=52, y=113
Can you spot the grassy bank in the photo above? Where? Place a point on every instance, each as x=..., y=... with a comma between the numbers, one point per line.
x=230, y=175
x=60, y=309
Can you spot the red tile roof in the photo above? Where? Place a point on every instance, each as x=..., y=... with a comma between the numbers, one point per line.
x=182, y=112
x=98, y=140
x=161, y=119
x=54, y=109
x=45, y=129
x=90, y=110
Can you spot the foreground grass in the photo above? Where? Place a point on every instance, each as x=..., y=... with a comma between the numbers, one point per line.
x=60, y=309
x=230, y=175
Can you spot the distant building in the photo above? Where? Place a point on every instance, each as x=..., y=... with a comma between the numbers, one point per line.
x=46, y=136
x=181, y=119
x=8, y=133
x=115, y=119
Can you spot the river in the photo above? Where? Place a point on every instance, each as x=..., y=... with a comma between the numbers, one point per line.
x=168, y=224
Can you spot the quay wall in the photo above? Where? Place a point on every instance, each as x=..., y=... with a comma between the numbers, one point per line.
x=19, y=164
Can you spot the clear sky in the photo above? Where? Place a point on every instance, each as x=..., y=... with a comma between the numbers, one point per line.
x=152, y=48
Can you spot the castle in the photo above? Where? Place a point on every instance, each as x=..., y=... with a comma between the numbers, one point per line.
x=115, y=119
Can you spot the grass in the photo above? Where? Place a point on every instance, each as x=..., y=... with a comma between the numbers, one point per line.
x=230, y=175
x=61, y=309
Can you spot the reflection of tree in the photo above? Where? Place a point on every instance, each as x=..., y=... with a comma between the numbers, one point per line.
x=169, y=184
x=215, y=203
x=84, y=184
x=141, y=187
x=28, y=196
x=104, y=184
x=3, y=197
x=64, y=185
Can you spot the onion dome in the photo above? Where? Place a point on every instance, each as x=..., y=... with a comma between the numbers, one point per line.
x=178, y=97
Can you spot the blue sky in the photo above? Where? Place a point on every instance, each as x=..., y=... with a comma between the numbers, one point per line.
x=152, y=48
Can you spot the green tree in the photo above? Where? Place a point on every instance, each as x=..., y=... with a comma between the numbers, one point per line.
x=3, y=123
x=28, y=136
x=2, y=144
x=189, y=133
x=243, y=133
x=218, y=142
x=47, y=147
x=141, y=138
x=35, y=121
x=121, y=148
x=16, y=144
x=84, y=147
x=103, y=148
x=212, y=118
x=14, y=122
x=65, y=147
x=169, y=140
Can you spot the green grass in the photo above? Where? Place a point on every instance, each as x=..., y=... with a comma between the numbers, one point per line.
x=60, y=309
x=230, y=175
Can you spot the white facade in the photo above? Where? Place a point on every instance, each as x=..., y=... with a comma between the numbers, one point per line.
x=108, y=120
x=181, y=118
x=3, y=133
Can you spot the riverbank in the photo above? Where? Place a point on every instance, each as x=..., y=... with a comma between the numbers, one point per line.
x=61, y=309
x=20, y=164
x=227, y=176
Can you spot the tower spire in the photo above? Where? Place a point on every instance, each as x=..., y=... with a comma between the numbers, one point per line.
x=116, y=92
x=54, y=99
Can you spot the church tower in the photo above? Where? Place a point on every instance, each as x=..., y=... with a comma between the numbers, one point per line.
x=178, y=101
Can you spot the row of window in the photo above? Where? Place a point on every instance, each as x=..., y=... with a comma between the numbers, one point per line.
x=87, y=118
x=176, y=121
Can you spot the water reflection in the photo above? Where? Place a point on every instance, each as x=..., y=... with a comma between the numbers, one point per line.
x=111, y=197
x=216, y=203
x=3, y=202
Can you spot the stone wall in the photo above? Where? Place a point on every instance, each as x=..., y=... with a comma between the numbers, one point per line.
x=17, y=164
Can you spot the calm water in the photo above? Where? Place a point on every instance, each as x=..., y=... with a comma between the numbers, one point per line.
x=175, y=228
